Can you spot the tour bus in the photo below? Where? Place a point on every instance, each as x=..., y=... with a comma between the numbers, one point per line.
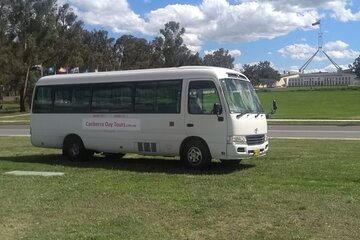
x=198, y=113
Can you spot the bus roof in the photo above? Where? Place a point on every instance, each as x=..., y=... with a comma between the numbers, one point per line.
x=143, y=75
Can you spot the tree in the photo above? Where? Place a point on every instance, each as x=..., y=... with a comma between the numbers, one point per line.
x=67, y=50
x=131, y=52
x=26, y=24
x=98, y=54
x=356, y=66
x=169, y=49
x=219, y=58
x=261, y=73
x=36, y=33
x=5, y=51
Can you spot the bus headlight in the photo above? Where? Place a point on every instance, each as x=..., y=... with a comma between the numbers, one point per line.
x=237, y=139
x=266, y=138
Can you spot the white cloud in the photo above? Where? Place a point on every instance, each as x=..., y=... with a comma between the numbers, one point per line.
x=341, y=12
x=238, y=67
x=234, y=53
x=193, y=42
x=215, y=20
x=336, y=50
x=337, y=45
x=298, y=51
x=113, y=14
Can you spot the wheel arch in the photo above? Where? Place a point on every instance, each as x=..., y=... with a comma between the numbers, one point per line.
x=68, y=136
x=190, y=138
x=71, y=135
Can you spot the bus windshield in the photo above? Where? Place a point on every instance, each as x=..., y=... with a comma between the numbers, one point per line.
x=241, y=97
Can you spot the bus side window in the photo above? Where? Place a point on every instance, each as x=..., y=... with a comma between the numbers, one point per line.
x=63, y=99
x=81, y=99
x=168, y=96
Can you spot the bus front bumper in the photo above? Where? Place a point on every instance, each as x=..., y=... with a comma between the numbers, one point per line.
x=238, y=151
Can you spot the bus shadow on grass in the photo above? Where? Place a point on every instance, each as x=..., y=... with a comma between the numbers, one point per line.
x=140, y=164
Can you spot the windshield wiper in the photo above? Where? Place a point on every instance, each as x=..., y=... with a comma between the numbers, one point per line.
x=242, y=114
x=247, y=112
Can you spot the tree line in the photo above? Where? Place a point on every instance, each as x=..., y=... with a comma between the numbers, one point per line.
x=37, y=37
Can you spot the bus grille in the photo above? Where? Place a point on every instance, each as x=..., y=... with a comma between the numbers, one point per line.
x=255, y=139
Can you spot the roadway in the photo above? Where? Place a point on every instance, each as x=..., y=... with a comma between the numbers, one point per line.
x=346, y=132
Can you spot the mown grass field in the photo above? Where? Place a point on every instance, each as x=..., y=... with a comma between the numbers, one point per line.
x=314, y=104
x=303, y=189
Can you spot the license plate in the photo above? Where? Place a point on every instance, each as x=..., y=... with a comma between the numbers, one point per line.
x=257, y=152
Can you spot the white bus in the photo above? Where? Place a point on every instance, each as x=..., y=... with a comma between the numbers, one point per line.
x=198, y=113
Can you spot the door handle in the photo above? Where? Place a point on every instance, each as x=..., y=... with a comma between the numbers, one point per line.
x=189, y=125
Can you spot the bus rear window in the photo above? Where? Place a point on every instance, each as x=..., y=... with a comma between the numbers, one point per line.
x=43, y=100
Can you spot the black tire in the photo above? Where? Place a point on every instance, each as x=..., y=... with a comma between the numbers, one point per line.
x=74, y=149
x=233, y=162
x=196, y=155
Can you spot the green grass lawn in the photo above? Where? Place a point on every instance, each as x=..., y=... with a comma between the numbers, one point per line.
x=16, y=117
x=302, y=189
x=314, y=104
x=9, y=113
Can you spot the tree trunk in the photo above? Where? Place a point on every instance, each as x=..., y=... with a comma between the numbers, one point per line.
x=22, y=101
x=23, y=92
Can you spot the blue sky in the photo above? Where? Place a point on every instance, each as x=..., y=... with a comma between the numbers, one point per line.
x=279, y=31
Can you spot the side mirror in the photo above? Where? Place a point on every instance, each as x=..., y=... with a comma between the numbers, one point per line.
x=217, y=109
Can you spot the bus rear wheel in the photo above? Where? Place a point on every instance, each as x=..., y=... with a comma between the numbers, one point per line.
x=74, y=149
x=196, y=155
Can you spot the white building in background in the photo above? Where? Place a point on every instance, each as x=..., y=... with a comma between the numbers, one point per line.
x=318, y=79
x=301, y=79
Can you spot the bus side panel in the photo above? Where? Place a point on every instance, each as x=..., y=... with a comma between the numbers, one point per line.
x=47, y=131
x=154, y=134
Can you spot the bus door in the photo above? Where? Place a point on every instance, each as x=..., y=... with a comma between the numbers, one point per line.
x=204, y=117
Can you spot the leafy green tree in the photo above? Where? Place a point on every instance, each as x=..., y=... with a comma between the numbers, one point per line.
x=27, y=21
x=169, y=50
x=98, y=55
x=356, y=66
x=66, y=47
x=173, y=43
x=261, y=73
x=219, y=58
x=5, y=52
x=36, y=33
x=131, y=52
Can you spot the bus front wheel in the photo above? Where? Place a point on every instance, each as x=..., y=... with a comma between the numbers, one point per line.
x=196, y=155
x=74, y=149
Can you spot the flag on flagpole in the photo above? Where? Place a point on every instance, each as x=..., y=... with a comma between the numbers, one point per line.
x=316, y=23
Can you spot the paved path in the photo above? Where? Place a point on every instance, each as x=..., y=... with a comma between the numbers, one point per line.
x=315, y=131
x=14, y=130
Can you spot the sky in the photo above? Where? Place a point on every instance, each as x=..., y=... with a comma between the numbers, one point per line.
x=278, y=31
